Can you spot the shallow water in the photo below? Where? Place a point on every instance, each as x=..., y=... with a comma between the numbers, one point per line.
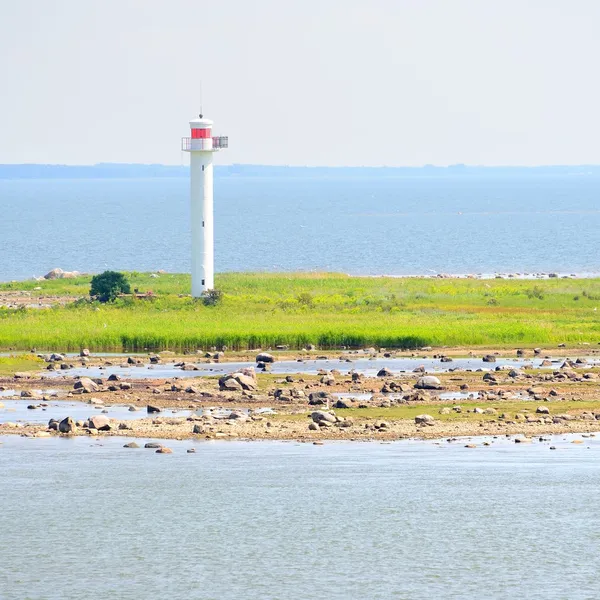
x=16, y=410
x=84, y=518
x=310, y=367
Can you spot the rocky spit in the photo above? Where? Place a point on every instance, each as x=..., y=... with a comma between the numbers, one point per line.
x=331, y=405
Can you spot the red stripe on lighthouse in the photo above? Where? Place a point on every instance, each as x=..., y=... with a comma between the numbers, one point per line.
x=200, y=134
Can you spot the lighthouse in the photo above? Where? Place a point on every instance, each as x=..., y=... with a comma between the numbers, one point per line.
x=201, y=145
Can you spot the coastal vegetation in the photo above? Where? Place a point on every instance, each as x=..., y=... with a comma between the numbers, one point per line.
x=9, y=365
x=259, y=310
x=107, y=286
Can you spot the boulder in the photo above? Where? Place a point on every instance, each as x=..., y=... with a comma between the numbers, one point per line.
x=86, y=385
x=152, y=409
x=99, y=422
x=385, y=372
x=265, y=357
x=236, y=414
x=318, y=398
x=67, y=425
x=542, y=410
x=424, y=420
x=328, y=379
x=54, y=274
x=164, y=450
x=131, y=445
x=228, y=383
x=489, y=358
x=247, y=382
x=428, y=382
x=343, y=403
x=320, y=416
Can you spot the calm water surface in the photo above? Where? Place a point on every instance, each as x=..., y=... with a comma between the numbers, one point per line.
x=88, y=519
x=365, y=366
x=394, y=226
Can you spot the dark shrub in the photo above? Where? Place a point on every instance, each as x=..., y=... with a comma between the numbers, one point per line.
x=212, y=297
x=108, y=285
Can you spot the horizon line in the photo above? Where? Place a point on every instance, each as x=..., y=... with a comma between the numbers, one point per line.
x=300, y=166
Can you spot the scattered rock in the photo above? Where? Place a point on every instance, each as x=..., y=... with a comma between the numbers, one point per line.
x=385, y=372
x=265, y=357
x=424, y=420
x=318, y=398
x=428, y=382
x=99, y=422
x=86, y=385
x=320, y=416
x=328, y=379
x=67, y=425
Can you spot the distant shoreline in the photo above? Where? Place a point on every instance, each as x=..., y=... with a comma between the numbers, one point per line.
x=145, y=171
x=519, y=276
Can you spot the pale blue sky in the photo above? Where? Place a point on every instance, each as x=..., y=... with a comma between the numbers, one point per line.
x=303, y=82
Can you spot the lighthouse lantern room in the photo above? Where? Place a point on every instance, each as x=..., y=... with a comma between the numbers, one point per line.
x=201, y=145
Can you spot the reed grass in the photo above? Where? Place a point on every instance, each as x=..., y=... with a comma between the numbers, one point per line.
x=329, y=310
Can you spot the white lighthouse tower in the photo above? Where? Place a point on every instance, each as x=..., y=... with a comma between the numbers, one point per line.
x=201, y=146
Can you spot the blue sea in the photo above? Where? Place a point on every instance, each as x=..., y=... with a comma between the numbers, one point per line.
x=312, y=222
x=84, y=518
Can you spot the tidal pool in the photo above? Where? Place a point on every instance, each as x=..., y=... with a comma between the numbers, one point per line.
x=365, y=366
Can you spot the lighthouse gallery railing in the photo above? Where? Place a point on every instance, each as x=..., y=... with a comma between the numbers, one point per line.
x=215, y=143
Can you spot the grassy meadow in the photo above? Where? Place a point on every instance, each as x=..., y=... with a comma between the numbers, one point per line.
x=329, y=310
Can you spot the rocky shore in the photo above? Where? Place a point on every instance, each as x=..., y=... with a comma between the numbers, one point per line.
x=253, y=403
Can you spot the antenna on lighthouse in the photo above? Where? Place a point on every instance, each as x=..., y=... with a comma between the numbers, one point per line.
x=200, y=115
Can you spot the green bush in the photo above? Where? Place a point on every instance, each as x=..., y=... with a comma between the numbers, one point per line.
x=108, y=285
x=212, y=297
